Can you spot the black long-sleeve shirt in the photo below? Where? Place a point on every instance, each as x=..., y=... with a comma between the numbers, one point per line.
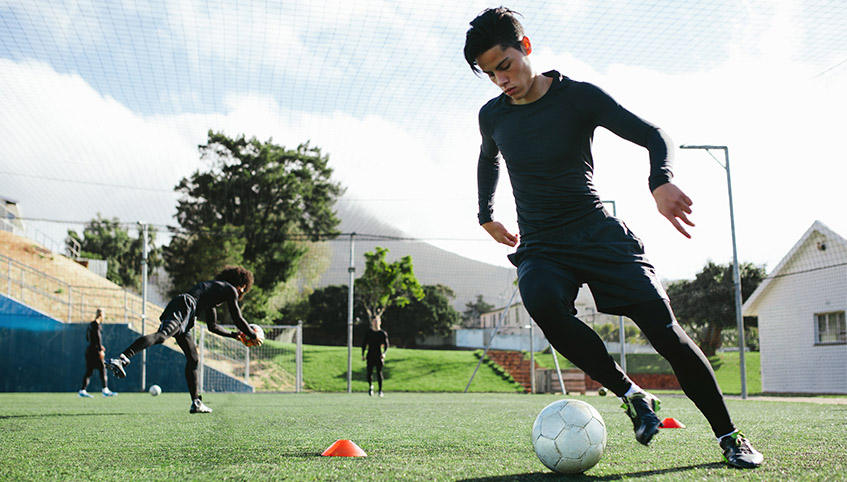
x=94, y=337
x=373, y=343
x=546, y=145
x=210, y=294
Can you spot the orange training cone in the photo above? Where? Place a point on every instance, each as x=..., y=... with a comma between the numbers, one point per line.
x=344, y=448
x=671, y=422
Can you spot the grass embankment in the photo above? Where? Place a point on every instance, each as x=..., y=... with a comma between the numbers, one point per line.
x=406, y=370
x=727, y=366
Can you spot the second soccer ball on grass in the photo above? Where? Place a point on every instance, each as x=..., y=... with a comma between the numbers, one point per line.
x=569, y=436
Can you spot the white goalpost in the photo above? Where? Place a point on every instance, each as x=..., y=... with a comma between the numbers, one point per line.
x=226, y=365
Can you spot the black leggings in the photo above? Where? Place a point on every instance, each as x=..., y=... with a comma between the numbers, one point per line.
x=186, y=344
x=378, y=365
x=551, y=306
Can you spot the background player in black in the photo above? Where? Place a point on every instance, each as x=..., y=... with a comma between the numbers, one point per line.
x=543, y=125
x=94, y=355
x=177, y=319
x=375, y=339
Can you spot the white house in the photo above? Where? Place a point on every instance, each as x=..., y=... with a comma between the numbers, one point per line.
x=801, y=306
x=514, y=335
x=10, y=217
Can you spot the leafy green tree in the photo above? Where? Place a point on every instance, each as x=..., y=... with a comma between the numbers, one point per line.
x=326, y=315
x=433, y=314
x=108, y=240
x=254, y=206
x=706, y=305
x=473, y=310
x=386, y=284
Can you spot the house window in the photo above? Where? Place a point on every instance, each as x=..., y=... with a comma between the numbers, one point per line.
x=831, y=327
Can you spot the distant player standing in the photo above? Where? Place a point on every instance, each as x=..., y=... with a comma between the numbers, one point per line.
x=375, y=339
x=543, y=126
x=229, y=286
x=94, y=355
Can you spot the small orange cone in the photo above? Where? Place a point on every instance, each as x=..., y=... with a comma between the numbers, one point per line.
x=671, y=422
x=344, y=448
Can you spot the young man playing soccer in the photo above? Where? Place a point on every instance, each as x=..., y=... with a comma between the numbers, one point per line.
x=375, y=339
x=543, y=126
x=229, y=286
x=94, y=355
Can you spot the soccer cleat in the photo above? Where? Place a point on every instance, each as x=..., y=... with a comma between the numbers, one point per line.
x=738, y=452
x=381, y=394
x=641, y=408
x=117, y=365
x=85, y=394
x=197, y=406
x=371, y=391
x=108, y=393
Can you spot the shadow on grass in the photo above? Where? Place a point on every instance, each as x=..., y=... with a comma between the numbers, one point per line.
x=623, y=476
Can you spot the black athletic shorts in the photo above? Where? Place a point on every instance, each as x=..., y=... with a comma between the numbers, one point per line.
x=598, y=250
x=94, y=359
x=178, y=316
x=376, y=362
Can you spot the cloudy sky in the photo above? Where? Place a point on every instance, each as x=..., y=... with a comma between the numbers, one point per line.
x=104, y=104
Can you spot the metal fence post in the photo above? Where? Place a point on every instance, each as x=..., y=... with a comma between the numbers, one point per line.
x=299, y=356
x=202, y=366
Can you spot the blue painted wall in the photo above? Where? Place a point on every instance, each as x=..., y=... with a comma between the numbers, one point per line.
x=41, y=354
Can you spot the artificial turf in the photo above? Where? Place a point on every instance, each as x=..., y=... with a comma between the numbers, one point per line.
x=407, y=436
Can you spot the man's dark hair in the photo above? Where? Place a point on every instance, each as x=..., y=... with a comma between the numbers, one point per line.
x=493, y=27
x=236, y=276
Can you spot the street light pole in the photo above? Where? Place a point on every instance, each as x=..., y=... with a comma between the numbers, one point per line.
x=736, y=274
x=621, y=328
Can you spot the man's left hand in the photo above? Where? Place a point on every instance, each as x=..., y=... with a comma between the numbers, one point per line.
x=673, y=204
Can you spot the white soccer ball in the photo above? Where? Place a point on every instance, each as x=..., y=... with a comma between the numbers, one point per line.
x=569, y=436
x=155, y=390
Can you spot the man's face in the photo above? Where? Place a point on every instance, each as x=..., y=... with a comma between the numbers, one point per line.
x=509, y=69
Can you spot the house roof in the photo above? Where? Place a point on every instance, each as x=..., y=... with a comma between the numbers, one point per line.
x=751, y=306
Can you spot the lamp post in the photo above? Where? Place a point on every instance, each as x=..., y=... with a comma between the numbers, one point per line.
x=621, y=330
x=736, y=274
x=531, y=359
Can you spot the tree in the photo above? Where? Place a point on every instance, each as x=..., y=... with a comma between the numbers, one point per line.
x=108, y=240
x=386, y=284
x=706, y=305
x=254, y=206
x=324, y=315
x=473, y=311
x=433, y=314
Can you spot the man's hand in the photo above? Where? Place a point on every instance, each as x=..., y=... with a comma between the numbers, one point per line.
x=673, y=204
x=500, y=234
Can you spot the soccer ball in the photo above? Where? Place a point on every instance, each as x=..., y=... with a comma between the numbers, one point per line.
x=569, y=436
x=155, y=390
x=260, y=336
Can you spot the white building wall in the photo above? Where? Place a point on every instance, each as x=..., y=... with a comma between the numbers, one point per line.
x=791, y=361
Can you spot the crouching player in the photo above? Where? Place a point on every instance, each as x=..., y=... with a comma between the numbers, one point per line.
x=229, y=286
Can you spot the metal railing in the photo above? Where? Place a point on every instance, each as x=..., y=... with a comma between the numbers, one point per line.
x=64, y=301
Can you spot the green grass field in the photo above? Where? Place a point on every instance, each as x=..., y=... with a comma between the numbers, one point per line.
x=325, y=369
x=407, y=436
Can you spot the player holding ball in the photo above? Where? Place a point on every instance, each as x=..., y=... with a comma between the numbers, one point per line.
x=229, y=286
